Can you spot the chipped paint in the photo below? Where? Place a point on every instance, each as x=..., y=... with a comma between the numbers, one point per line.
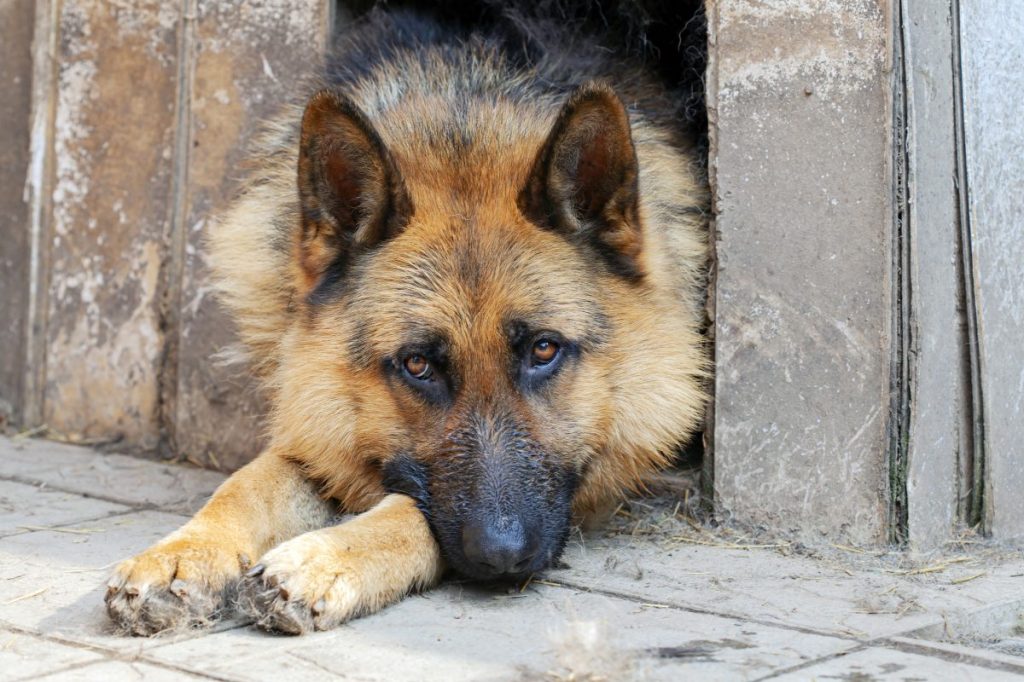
x=108, y=210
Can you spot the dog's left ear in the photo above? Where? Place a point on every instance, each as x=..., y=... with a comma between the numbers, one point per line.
x=584, y=181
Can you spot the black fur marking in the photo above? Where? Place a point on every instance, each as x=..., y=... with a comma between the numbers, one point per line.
x=490, y=469
x=332, y=284
x=617, y=263
x=404, y=475
x=599, y=332
x=359, y=353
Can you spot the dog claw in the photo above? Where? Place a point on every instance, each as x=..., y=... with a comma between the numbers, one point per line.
x=256, y=571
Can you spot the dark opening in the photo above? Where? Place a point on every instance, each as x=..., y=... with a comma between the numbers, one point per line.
x=670, y=36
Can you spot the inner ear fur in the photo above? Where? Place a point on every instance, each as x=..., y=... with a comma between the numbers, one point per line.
x=584, y=181
x=350, y=191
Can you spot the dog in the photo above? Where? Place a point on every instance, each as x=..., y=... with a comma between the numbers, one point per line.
x=469, y=267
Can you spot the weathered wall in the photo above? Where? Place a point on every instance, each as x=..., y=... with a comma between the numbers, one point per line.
x=799, y=99
x=244, y=60
x=992, y=59
x=140, y=116
x=112, y=142
x=16, y=25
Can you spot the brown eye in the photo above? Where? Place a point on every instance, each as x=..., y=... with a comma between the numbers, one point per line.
x=418, y=367
x=544, y=351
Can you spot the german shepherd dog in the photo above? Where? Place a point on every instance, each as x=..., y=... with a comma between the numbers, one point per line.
x=478, y=312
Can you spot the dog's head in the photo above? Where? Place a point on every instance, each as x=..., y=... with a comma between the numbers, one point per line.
x=465, y=329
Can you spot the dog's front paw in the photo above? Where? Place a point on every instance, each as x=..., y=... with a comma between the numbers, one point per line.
x=175, y=584
x=309, y=583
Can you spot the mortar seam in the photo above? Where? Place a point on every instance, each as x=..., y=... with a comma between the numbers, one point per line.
x=813, y=662
x=976, y=660
x=67, y=524
x=708, y=612
x=135, y=506
x=110, y=654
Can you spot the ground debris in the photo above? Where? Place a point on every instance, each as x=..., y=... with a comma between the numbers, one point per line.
x=677, y=516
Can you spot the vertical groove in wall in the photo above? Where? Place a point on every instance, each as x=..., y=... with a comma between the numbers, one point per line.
x=975, y=508
x=38, y=189
x=901, y=362
x=172, y=267
x=711, y=103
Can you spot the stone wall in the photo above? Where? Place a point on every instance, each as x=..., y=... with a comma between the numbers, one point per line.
x=139, y=116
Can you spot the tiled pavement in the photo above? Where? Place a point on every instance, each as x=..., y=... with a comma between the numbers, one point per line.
x=628, y=607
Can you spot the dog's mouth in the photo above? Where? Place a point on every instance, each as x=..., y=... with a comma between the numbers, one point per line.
x=521, y=536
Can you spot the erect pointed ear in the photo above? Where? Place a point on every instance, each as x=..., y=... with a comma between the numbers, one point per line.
x=351, y=193
x=584, y=182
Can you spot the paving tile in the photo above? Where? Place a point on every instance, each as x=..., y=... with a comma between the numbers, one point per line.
x=465, y=633
x=23, y=656
x=119, y=671
x=622, y=615
x=26, y=507
x=791, y=590
x=53, y=582
x=882, y=665
x=996, y=619
x=127, y=480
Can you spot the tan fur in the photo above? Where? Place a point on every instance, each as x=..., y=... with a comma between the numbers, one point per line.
x=334, y=420
x=326, y=576
x=187, y=577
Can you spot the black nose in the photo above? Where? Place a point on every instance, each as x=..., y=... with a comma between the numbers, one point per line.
x=498, y=546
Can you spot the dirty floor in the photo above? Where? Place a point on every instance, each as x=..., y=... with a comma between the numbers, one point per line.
x=657, y=598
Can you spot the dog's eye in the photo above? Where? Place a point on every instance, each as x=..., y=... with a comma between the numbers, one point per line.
x=544, y=351
x=418, y=367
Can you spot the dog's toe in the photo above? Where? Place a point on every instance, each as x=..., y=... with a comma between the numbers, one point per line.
x=298, y=588
x=145, y=610
x=159, y=591
x=266, y=600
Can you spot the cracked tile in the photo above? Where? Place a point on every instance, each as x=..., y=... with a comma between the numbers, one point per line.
x=24, y=508
x=117, y=478
x=23, y=656
x=53, y=582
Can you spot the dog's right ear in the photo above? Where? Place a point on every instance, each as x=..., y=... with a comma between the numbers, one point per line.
x=351, y=194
